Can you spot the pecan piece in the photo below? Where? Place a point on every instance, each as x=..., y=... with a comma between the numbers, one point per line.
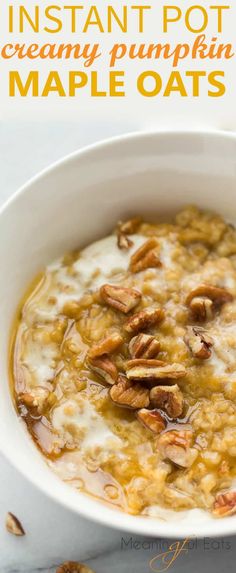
x=121, y=298
x=148, y=370
x=204, y=299
x=123, y=241
x=143, y=320
x=144, y=346
x=130, y=395
x=168, y=398
x=199, y=342
x=28, y=400
x=175, y=446
x=145, y=257
x=152, y=419
x=105, y=368
x=106, y=346
x=225, y=504
x=129, y=227
x=13, y=525
x=201, y=308
x=218, y=295
x=73, y=567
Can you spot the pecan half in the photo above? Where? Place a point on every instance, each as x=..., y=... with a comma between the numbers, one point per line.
x=143, y=320
x=198, y=342
x=125, y=393
x=145, y=257
x=121, y=298
x=202, y=309
x=225, y=504
x=148, y=370
x=175, y=446
x=218, y=295
x=168, y=398
x=144, y=346
x=105, y=368
x=106, y=346
x=152, y=419
x=129, y=227
x=13, y=525
x=73, y=567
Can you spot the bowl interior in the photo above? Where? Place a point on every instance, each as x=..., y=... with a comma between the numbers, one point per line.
x=78, y=200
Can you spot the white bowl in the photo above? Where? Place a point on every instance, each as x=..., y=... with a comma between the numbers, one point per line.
x=74, y=202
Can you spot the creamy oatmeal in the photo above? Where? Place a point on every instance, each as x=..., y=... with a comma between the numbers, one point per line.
x=124, y=366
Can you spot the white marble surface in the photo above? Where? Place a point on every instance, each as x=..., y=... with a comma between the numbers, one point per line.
x=53, y=534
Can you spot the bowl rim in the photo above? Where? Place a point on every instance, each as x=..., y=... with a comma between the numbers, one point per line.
x=213, y=133
x=111, y=518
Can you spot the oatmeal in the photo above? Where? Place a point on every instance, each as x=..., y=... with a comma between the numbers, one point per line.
x=124, y=366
